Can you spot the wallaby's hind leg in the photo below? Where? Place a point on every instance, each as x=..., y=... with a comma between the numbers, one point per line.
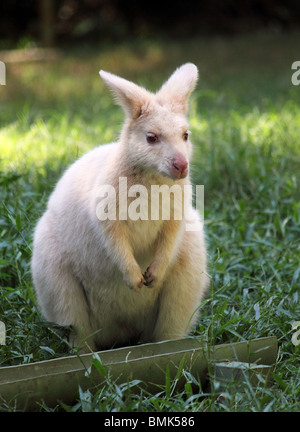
x=63, y=301
x=183, y=289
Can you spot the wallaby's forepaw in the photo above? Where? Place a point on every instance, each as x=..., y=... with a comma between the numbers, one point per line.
x=136, y=283
x=139, y=285
x=149, y=278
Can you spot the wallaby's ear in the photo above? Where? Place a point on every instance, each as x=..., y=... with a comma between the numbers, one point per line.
x=130, y=96
x=176, y=91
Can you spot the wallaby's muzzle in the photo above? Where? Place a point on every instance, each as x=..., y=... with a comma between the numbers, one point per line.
x=179, y=167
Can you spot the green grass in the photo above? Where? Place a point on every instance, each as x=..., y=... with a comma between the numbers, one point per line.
x=245, y=122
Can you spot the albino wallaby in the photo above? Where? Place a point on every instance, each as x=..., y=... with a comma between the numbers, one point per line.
x=84, y=265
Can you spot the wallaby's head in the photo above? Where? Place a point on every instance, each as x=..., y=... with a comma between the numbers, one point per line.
x=156, y=132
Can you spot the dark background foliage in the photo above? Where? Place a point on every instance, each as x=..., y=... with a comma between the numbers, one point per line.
x=66, y=21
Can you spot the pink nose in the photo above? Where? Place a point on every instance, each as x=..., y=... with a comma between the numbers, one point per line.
x=179, y=166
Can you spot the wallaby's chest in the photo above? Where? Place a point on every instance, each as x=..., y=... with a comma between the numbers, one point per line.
x=143, y=233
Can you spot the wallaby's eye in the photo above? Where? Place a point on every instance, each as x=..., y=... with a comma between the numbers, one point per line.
x=185, y=135
x=152, y=138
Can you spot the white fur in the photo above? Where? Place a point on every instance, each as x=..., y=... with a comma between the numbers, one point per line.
x=83, y=268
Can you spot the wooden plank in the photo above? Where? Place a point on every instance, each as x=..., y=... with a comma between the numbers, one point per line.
x=58, y=379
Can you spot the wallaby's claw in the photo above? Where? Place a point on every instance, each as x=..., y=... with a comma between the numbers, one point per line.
x=135, y=280
x=149, y=278
x=140, y=284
